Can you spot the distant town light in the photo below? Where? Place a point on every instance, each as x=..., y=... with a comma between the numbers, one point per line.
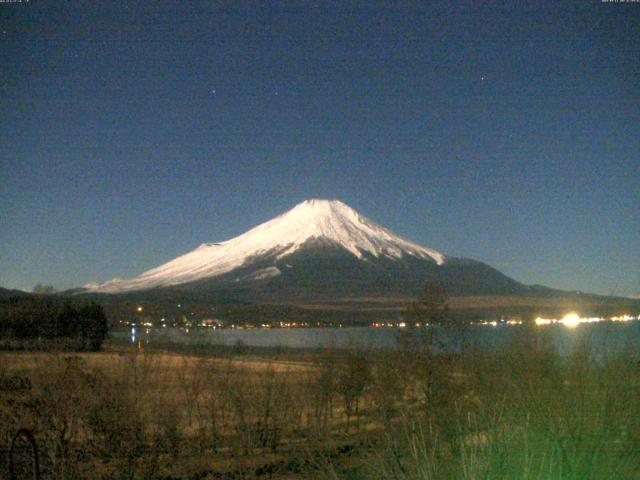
x=139, y=309
x=542, y=321
x=571, y=320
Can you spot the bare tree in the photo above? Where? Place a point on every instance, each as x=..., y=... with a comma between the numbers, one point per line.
x=430, y=306
x=41, y=289
x=353, y=378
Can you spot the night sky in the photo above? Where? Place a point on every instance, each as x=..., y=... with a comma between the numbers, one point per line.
x=133, y=131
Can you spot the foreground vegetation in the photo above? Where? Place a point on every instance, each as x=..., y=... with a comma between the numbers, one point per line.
x=522, y=412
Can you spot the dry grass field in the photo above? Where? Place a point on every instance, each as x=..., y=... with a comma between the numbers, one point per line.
x=523, y=412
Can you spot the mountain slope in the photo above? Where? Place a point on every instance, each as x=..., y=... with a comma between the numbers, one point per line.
x=320, y=249
x=311, y=224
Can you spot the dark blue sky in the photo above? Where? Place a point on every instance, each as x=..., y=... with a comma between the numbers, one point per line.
x=134, y=131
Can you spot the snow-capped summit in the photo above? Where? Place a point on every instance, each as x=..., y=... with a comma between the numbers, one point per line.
x=329, y=222
x=333, y=221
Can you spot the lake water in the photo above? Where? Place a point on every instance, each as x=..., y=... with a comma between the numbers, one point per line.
x=605, y=336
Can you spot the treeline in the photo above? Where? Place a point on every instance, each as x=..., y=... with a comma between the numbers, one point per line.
x=35, y=322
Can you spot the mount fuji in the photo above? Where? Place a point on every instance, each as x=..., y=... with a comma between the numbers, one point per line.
x=318, y=249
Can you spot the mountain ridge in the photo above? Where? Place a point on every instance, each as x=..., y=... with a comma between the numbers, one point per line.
x=318, y=250
x=330, y=221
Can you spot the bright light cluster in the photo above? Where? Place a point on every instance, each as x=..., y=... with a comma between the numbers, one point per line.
x=572, y=320
x=494, y=323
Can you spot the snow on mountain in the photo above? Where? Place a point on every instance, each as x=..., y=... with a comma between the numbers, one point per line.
x=325, y=220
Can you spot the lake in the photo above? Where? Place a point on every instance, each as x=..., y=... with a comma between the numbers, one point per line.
x=607, y=337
